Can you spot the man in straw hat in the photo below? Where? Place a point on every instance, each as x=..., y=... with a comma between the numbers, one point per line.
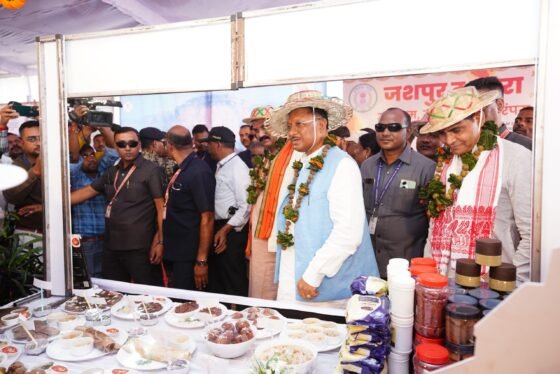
x=321, y=224
x=481, y=187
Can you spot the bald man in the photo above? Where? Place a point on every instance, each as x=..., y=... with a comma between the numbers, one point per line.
x=188, y=222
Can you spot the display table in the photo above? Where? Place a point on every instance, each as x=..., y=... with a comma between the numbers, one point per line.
x=203, y=361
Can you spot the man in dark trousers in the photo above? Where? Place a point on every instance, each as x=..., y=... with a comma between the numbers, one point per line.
x=188, y=224
x=228, y=267
x=134, y=212
x=398, y=225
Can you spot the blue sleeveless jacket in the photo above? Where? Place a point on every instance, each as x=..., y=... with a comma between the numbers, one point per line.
x=314, y=226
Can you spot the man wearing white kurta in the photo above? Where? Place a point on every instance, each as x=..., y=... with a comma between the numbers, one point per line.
x=330, y=243
x=494, y=196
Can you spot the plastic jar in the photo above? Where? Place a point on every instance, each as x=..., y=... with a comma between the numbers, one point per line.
x=482, y=293
x=467, y=273
x=489, y=304
x=503, y=278
x=419, y=339
x=459, y=352
x=462, y=299
x=431, y=299
x=423, y=261
x=430, y=357
x=416, y=270
x=401, y=290
x=488, y=252
x=459, y=323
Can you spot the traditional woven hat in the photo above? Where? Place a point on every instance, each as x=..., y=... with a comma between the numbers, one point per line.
x=454, y=106
x=338, y=113
x=260, y=112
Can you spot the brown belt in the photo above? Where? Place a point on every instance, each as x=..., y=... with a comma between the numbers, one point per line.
x=92, y=238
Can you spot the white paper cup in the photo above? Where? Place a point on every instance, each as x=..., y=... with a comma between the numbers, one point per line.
x=401, y=294
x=398, y=363
x=402, y=334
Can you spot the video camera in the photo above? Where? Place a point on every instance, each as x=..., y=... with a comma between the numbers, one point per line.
x=24, y=110
x=93, y=117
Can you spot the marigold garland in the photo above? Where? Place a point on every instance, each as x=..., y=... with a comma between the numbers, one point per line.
x=434, y=194
x=259, y=173
x=291, y=212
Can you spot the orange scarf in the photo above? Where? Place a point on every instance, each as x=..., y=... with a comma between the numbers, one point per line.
x=267, y=213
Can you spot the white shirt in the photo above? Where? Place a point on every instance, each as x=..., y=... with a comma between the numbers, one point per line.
x=347, y=212
x=232, y=180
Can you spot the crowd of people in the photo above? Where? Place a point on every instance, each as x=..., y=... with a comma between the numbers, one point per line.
x=304, y=209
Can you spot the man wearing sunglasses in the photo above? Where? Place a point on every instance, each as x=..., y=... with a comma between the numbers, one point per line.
x=133, y=214
x=398, y=226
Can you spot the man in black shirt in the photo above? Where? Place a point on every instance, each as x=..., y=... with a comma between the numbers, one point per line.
x=134, y=212
x=199, y=133
x=188, y=225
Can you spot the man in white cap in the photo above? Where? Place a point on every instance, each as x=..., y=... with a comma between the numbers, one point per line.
x=481, y=187
x=322, y=235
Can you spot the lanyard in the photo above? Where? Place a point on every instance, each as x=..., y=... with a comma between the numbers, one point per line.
x=220, y=166
x=171, y=182
x=504, y=134
x=378, y=196
x=117, y=190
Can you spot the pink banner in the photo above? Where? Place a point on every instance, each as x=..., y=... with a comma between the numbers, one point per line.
x=414, y=93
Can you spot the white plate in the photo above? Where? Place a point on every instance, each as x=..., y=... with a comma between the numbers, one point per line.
x=6, y=360
x=10, y=335
x=92, y=292
x=135, y=361
x=57, y=352
x=267, y=333
x=328, y=345
x=200, y=319
x=109, y=371
x=117, y=311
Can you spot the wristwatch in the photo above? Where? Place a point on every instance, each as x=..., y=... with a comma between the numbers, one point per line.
x=201, y=263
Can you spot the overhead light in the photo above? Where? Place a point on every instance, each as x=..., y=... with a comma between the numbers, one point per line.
x=2, y=72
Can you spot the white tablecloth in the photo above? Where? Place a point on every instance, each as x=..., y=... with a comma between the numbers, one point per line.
x=203, y=361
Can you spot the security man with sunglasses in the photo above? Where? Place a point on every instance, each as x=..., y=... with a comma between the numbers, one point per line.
x=398, y=225
x=133, y=214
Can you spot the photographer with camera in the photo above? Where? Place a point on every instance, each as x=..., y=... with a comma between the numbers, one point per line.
x=81, y=131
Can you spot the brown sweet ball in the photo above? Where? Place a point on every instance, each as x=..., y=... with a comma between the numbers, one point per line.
x=228, y=326
x=248, y=333
x=240, y=325
x=240, y=339
x=237, y=315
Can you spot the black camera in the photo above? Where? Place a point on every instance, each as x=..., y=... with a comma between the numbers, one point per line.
x=24, y=110
x=93, y=117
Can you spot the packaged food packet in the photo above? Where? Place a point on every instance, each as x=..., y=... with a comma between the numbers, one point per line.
x=367, y=310
x=369, y=286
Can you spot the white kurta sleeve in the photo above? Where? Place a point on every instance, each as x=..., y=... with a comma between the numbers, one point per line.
x=347, y=212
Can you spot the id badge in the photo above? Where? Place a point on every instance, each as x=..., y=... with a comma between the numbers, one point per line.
x=372, y=224
x=108, y=211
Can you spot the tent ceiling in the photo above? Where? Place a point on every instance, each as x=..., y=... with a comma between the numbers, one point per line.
x=18, y=29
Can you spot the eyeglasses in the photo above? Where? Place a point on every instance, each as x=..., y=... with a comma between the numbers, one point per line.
x=130, y=143
x=33, y=139
x=393, y=127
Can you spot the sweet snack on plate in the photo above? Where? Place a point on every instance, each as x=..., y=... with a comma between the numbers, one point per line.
x=231, y=333
x=151, y=307
x=186, y=307
x=149, y=349
x=214, y=311
x=41, y=330
x=101, y=341
x=254, y=313
x=78, y=304
x=321, y=334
